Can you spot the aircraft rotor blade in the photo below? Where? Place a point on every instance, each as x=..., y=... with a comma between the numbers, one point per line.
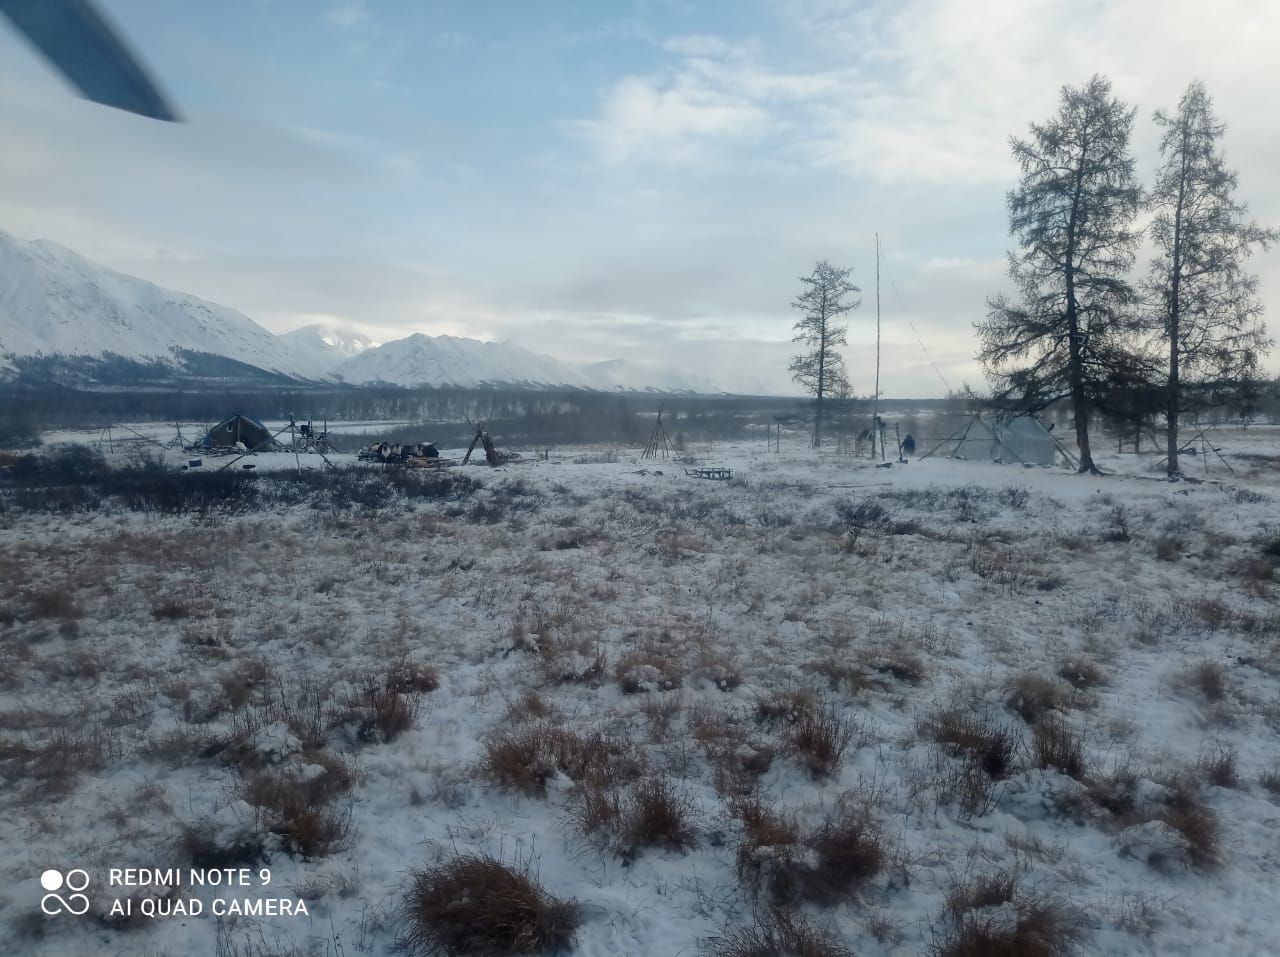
x=90, y=53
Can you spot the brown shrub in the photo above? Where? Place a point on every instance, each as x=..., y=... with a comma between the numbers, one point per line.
x=779, y=933
x=1039, y=930
x=1271, y=781
x=58, y=762
x=657, y=815
x=1028, y=927
x=1206, y=678
x=737, y=759
x=818, y=739
x=531, y=706
x=171, y=610
x=1081, y=673
x=1198, y=825
x=1220, y=769
x=1032, y=695
x=297, y=802
x=784, y=706
x=987, y=744
x=477, y=905
x=830, y=865
x=647, y=669
x=386, y=714
x=990, y=891
x=55, y=602
x=412, y=677
x=598, y=809
x=850, y=851
x=523, y=760
x=1055, y=745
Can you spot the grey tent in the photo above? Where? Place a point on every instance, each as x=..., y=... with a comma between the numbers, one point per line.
x=239, y=429
x=1021, y=439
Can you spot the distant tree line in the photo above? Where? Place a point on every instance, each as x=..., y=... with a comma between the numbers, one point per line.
x=515, y=416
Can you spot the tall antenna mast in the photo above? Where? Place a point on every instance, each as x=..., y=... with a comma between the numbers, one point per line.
x=875, y=400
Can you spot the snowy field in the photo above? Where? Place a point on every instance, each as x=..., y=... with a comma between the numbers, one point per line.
x=821, y=708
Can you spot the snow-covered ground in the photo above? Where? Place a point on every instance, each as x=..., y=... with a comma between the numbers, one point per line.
x=963, y=625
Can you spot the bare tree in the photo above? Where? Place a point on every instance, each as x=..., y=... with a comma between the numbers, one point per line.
x=1207, y=310
x=1072, y=217
x=820, y=371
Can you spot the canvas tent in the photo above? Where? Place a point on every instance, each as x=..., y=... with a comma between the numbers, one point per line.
x=1022, y=439
x=235, y=431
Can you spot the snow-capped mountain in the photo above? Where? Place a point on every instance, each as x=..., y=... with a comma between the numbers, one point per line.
x=68, y=320
x=326, y=346
x=54, y=302
x=448, y=360
x=625, y=374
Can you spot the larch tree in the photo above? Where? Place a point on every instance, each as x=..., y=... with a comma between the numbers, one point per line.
x=1206, y=310
x=820, y=371
x=1072, y=216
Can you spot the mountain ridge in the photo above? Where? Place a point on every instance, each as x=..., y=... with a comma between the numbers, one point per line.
x=69, y=321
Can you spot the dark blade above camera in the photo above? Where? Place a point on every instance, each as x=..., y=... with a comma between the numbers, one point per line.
x=89, y=53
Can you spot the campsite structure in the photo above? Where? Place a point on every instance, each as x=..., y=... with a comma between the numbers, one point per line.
x=1022, y=438
x=238, y=433
x=658, y=441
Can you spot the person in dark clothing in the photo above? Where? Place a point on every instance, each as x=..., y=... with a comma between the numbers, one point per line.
x=908, y=445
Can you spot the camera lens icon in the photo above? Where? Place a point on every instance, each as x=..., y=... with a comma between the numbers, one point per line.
x=75, y=880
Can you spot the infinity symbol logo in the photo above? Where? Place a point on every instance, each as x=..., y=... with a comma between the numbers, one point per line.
x=75, y=880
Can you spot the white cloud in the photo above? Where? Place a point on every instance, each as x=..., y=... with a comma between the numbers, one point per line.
x=669, y=120
x=348, y=13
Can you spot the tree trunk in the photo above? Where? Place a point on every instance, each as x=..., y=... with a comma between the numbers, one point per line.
x=1075, y=362
x=1175, y=315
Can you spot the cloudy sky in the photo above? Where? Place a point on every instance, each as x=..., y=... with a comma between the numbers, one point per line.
x=638, y=178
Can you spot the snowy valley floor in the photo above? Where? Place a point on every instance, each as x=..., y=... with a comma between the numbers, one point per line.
x=956, y=702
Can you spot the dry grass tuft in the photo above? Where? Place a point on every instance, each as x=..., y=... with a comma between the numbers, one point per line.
x=51, y=603
x=385, y=714
x=738, y=759
x=58, y=762
x=1055, y=745
x=1037, y=930
x=412, y=677
x=1207, y=678
x=530, y=706
x=1169, y=548
x=298, y=805
x=1032, y=695
x=657, y=815
x=525, y=759
x=992, y=917
x=1219, y=769
x=1270, y=780
x=832, y=864
x=983, y=892
x=477, y=905
x=850, y=851
x=597, y=809
x=647, y=669
x=1198, y=825
x=779, y=933
x=818, y=740
x=986, y=743
x=205, y=846
x=784, y=706
x=1081, y=673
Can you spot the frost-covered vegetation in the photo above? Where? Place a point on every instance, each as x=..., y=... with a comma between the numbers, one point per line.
x=592, y=703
